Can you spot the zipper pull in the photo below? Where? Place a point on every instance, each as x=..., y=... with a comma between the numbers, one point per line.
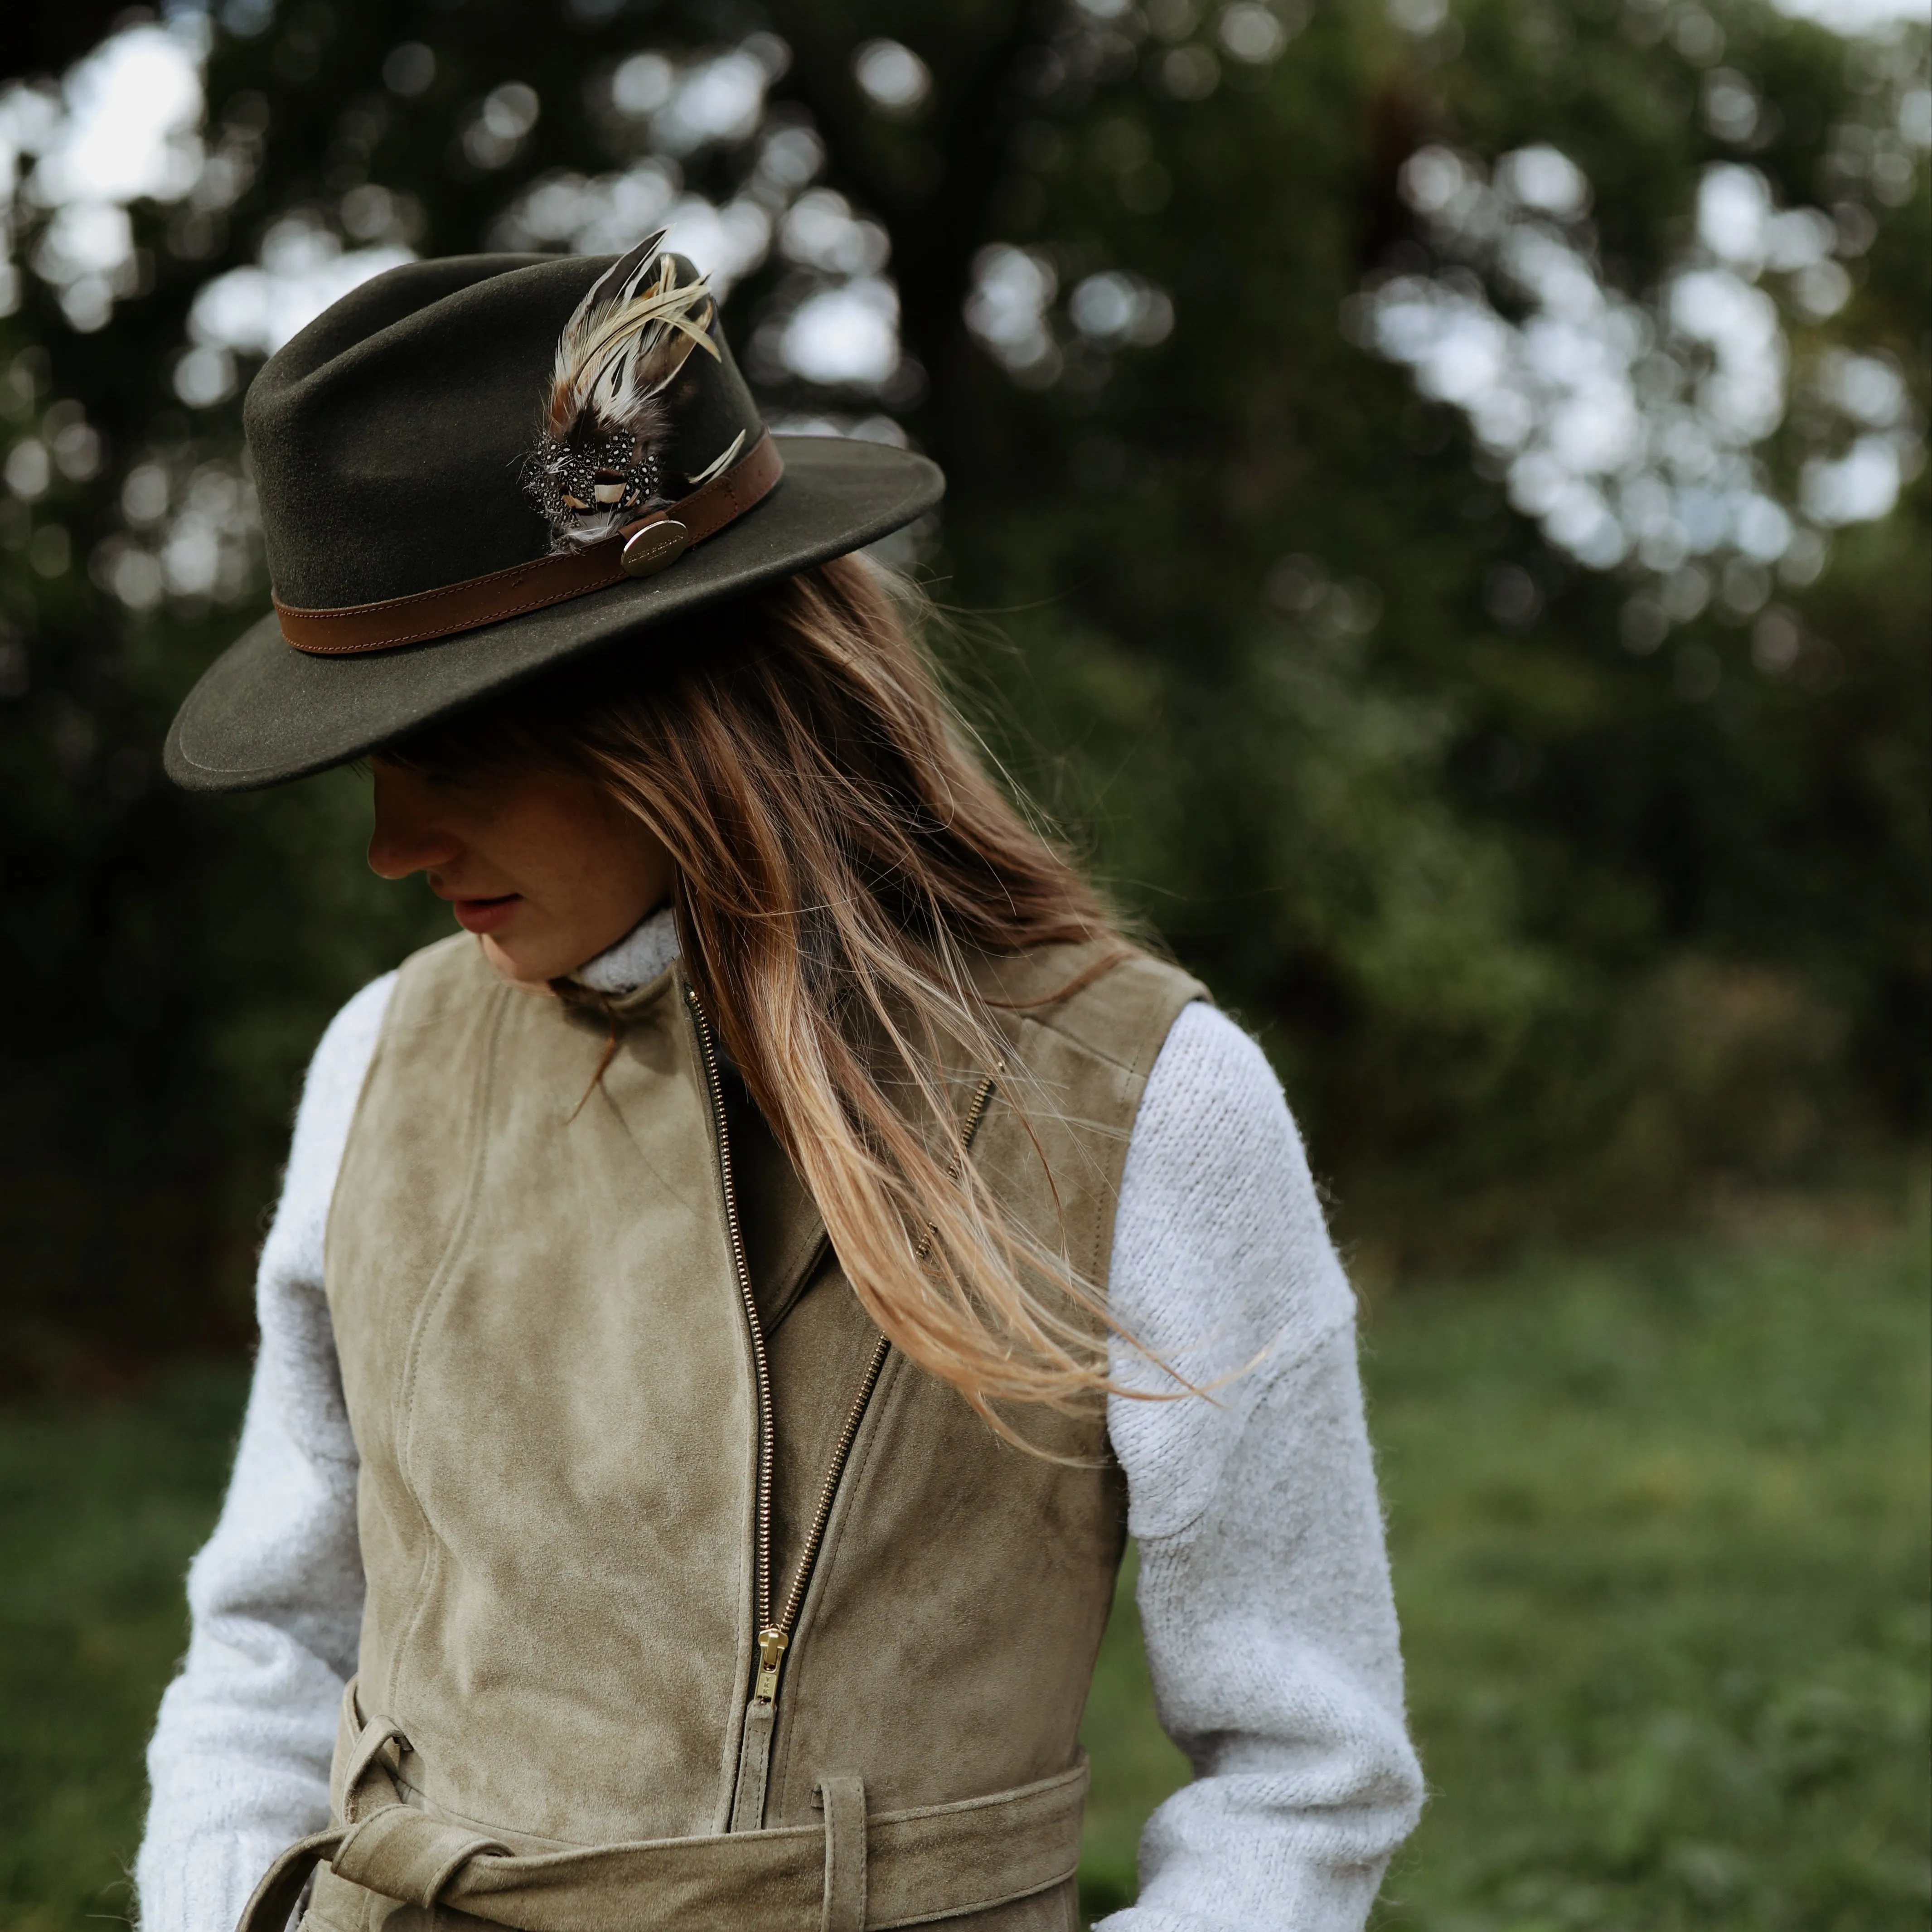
x=771, y=1655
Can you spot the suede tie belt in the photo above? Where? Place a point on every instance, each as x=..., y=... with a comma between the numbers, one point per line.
x=853, y=1874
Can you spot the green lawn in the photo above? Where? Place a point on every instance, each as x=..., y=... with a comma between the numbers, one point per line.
x=99, y=1509
x=1662, y=1525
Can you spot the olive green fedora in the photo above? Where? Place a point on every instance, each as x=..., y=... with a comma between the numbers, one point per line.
x=471, y=469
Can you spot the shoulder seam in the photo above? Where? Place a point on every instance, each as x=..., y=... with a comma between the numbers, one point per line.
x=1053, y=1017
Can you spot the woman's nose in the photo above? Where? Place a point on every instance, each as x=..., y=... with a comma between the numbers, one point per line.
x=410, y=835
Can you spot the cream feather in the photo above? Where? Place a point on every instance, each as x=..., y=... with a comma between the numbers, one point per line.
x=599, y=462
x=625, y=342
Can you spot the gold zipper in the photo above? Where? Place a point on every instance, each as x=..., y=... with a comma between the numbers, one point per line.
x=774, y=1641
x=761, y=1366
x=774, y=1633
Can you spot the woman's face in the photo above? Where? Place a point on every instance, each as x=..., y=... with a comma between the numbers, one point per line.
x=542, y=864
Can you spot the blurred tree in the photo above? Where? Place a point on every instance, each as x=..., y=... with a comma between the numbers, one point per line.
x=1425, y=481
x=44, y=40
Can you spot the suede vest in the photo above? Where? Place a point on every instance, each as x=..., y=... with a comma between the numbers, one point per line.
x=553, y=1379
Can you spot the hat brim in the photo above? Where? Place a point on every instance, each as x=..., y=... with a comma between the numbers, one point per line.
x=264, y=713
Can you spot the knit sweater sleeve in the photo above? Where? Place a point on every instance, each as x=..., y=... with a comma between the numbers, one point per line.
x=1263, y=1590
x=238, y=1764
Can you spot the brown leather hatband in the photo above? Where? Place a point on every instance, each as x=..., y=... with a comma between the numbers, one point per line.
x=469, y=606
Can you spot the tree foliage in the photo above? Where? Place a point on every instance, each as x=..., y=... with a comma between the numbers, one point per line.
x=1553, y=879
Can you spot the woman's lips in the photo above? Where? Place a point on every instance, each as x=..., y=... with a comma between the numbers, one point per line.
x=486, y=915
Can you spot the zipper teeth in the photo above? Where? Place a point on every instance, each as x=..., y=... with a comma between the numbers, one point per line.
x=828, y=1490
x=761, y=1366
x=975, y=1115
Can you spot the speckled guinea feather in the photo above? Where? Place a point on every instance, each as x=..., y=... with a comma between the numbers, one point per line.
x=599, y=462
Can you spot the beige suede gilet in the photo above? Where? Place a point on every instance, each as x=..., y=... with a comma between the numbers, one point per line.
x=551, y=1376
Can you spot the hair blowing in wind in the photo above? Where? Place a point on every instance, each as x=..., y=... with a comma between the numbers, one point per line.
x=842, y=856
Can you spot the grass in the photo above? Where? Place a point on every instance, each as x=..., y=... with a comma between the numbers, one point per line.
x=1661, y=1523
x=1662, y=1532
x=99, y=1509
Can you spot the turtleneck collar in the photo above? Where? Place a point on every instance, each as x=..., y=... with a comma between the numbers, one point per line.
x=637, y=959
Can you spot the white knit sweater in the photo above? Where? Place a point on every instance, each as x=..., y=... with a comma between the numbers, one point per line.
x=1263, y=1590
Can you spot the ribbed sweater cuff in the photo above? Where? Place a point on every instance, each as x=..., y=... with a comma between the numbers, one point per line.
x=205, y=1884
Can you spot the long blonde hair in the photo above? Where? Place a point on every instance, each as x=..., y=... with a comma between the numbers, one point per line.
x=842, y=855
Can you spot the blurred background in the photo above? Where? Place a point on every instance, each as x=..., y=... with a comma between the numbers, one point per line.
x=1437, y=511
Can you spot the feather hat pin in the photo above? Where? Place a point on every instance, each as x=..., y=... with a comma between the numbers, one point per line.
x=600, y=459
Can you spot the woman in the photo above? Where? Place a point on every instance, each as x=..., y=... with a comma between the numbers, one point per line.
x=723, y=1316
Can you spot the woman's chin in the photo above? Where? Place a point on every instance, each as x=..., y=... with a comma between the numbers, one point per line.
x=518, y=964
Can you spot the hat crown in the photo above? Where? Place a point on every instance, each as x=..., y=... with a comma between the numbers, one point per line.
x=393, y=439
